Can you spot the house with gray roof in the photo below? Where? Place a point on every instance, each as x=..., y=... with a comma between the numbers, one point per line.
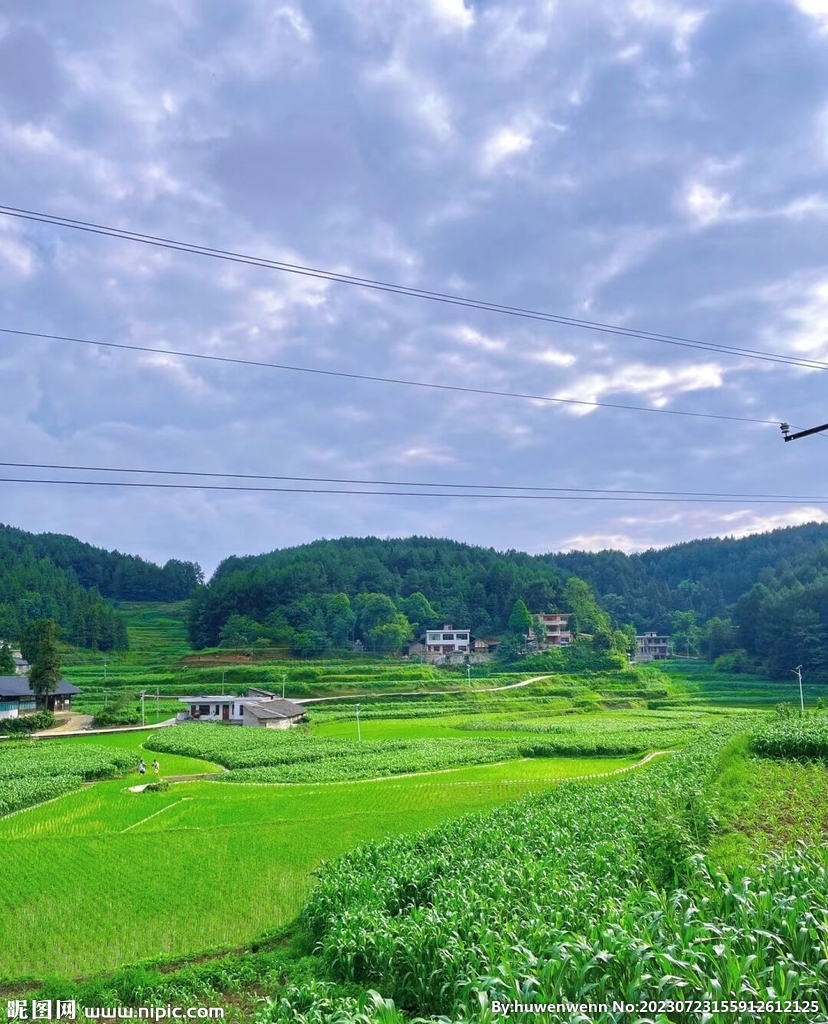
x=17, y=698
x=259, y=707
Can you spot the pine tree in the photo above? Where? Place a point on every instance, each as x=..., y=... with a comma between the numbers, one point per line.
x=7, y=666
x=44, y=675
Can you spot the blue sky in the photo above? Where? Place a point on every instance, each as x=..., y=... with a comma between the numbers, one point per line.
x=650, y=163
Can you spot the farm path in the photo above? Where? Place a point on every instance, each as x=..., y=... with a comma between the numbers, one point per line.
x=427, y=693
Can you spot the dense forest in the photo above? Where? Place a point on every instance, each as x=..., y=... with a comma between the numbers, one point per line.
x=332, y=592
x=113, y=575
x=53, y=576
x=759, y=601
x=35, y=588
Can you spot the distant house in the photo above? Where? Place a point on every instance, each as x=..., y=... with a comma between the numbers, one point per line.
x=556, y=625
x=485, y=644
x=447, y=641
x=652, y=647
x=275, y=711
x=21, y=666
x=17, y=698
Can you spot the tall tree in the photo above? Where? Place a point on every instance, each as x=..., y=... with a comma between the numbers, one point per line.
x=7, y=666
x=520, y=620
x=44, y=674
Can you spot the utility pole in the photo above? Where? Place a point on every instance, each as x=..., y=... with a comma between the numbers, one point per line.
x=106, y=694
x=788, y=436
x=798, y=673
x=157, y=713
x=468, y=675
x=143, y=716
x=223, y=674
x=284, y=677
x=359, y=732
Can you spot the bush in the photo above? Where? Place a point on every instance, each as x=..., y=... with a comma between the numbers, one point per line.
x=157, y=787
x=28, y=723
x=734, y=663
x=115, y=716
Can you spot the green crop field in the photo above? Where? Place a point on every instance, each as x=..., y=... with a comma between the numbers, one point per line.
x=448, y=805
x=582, y=893
x=207, y=864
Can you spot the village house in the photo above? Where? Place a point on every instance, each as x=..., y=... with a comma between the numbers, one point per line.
x=652, y=647
x=556, y=625
x=448, y=641
x=259, y=707
x=17, y=698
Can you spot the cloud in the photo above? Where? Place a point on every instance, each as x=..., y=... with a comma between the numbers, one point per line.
x=704, y=204
x=602, y=542
x=456, y=14
x=503, y=143
x=601, y=160
x=816, y=9
x=659, y=384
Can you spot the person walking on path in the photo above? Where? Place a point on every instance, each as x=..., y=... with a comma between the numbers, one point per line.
x=156, y=767
x=141, y=767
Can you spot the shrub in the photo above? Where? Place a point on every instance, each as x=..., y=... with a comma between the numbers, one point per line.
x=28, y=723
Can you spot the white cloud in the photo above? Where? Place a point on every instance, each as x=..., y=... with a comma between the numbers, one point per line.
x=659, y=383
x=475, y=339
x=18, y=257
x=452, y=13
x=816, y=9
x=704, y=204
x=505, y=142
x=602, y=541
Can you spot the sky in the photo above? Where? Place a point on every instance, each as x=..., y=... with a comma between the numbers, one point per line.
x=653, y=164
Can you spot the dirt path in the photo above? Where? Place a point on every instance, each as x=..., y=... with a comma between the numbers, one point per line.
x=422, y=693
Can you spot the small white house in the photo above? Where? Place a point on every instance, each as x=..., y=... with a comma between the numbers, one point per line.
x=259, y=707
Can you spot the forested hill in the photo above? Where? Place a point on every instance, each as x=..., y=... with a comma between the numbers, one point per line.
x=113, y=575
x=427, y=579
x=694, y=591
x=703, y=576
x=50, y=575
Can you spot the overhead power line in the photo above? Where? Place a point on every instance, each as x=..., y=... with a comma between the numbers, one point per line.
x=736, y=495
x=373, y=284
x=511, y=496
x=374, y=378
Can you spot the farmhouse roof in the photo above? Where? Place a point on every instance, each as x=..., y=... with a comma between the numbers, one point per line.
x=276, y=708
x=18, y=686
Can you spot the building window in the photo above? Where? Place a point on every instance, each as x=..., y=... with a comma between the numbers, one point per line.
x=448, y=636
x=204, y=709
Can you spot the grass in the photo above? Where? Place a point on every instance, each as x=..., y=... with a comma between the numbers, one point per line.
x=218, y=866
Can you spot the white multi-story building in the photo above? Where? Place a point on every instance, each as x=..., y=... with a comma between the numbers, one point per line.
x=448, y=641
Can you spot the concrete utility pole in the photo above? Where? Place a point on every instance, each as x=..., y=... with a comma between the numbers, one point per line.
x=143, y=716
x=359, y=732
x=798, y=673
x=284, y=677
x=468, y=674
x=223, y=674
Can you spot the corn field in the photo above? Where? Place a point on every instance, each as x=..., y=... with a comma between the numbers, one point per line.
x=595, y=893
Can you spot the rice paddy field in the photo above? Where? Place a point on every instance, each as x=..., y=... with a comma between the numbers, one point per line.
x=207, y=865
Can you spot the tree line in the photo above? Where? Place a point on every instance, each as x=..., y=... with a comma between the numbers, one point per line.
x=112, y=574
